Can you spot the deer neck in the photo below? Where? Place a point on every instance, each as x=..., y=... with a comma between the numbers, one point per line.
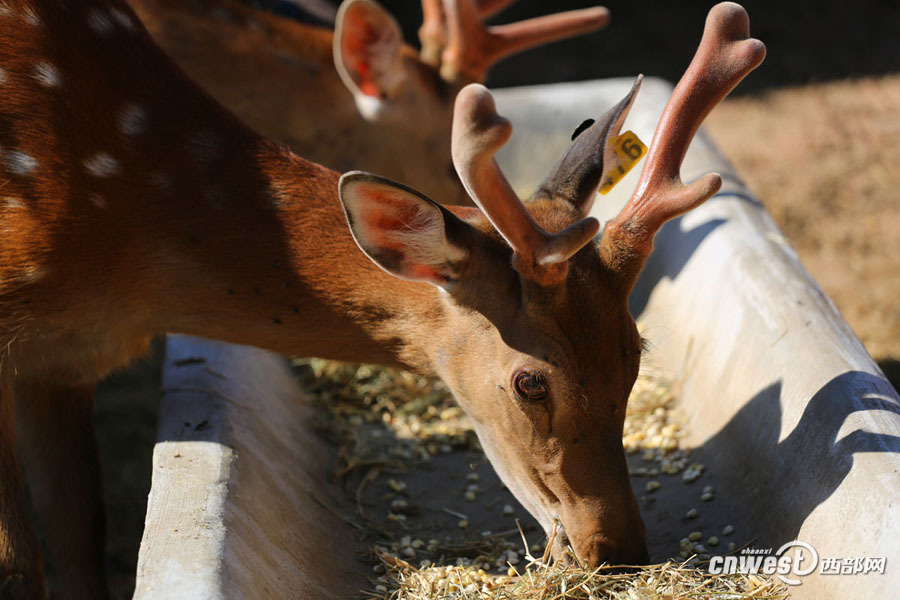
x=266, y=258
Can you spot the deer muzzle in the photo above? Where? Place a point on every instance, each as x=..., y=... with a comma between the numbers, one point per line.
x=619, y=539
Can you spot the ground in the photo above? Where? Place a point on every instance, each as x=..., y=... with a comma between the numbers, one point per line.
x=825, y=160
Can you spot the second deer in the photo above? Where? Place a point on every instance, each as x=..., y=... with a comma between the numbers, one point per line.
x=358, y=97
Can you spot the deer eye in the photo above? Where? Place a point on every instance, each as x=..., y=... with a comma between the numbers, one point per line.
x=530, y=385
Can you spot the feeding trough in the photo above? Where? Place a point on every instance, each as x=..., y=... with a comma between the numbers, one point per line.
x=798, y=429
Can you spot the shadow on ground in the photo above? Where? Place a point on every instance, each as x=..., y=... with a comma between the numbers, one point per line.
x=125, y=415
x=891, y=370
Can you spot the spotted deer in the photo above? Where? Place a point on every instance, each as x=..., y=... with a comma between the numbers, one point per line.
x=132, y=203
x=358, y=97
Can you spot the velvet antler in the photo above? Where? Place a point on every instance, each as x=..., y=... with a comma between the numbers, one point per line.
x=470, y=47
x=478, y=132
x=725, y=56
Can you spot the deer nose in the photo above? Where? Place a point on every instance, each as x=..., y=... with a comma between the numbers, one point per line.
x=598, y=549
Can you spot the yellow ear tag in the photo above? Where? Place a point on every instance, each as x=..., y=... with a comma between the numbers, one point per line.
x=628, y=150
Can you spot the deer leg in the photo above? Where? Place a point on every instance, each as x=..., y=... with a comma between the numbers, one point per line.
x=21, y=573
x=59, y=453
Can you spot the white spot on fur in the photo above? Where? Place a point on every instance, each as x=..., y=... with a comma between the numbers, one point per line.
x=99, y=20
x=102, y=165
x=20, y=163
x=12, y=203
x=204, y=147
x=2, y=75
x=98, y=201
x=47, y=74
x=279, y=194
x=132, y=120
x=123, y=18
x=31, y=274
x=5, y=10
x=30, y=17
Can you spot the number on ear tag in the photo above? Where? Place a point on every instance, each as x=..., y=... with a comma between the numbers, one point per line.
x=628, y=149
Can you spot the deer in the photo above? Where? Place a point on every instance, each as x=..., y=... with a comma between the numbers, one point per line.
x=301, y=84
x=134, y=204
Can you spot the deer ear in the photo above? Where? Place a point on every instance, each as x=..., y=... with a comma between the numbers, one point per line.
x=368, y=54
x=402, y=231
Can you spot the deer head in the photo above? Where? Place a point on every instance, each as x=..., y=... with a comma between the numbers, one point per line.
x=532, y=333
x=409, y=97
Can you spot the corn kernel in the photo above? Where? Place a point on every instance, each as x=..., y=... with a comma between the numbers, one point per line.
x=694, y=536
x=691, y=514
x=462, y=524
x=713, y=541
x=397, y=486
x=728, y=530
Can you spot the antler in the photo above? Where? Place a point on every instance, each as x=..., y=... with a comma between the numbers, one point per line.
x=478, y=132
x=472, y=47
x=491, y=7
x=433, y=32
x=725, y=56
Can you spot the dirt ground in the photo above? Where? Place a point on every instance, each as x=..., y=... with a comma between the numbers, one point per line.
x=815, y=133
x=825, y=160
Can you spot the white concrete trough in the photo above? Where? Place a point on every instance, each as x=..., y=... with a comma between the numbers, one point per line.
x=798, y=428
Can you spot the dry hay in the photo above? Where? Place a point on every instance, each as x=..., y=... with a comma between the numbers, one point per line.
x=666, y=581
